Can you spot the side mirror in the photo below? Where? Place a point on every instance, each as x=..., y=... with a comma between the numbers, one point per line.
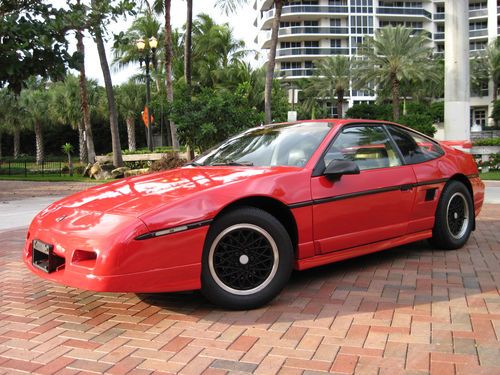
x=337, y=168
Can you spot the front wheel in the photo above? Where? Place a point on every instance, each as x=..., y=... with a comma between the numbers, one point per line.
x=247, y=259
x=454, y=217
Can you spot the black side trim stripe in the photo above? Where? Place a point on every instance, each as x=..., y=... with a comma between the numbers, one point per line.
x=404, y=187
x=171, y=230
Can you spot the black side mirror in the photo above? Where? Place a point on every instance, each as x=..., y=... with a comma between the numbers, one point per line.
x=337, y=168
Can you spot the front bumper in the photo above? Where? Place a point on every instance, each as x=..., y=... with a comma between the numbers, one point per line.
x=117, y=262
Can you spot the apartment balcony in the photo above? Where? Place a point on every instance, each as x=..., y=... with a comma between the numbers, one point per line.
x=292, y=11
x=478, y=13
x=401, y=11
x=294, y=73
x=439, y=17
x=472, y=34
x=310, y=52
x=478, y=33
x=438, y=36
x=476, y=52
x=299, y=33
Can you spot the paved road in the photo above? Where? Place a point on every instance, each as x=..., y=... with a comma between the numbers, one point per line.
x=19, y=213
x=409, y=310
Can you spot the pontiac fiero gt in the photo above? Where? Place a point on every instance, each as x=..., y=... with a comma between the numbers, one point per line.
x=236, y=221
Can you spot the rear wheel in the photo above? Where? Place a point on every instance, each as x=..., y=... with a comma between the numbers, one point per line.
x=247, y=259
x=454, y=217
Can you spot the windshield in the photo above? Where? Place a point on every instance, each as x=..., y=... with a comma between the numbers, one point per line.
x=283, y=145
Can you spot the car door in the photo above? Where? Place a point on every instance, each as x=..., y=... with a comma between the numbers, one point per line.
x=424, y=156
x=363, y=208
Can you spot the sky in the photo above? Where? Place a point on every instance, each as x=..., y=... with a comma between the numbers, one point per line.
x=241, y=23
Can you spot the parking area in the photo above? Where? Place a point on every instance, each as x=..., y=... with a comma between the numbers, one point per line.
x=410, y=310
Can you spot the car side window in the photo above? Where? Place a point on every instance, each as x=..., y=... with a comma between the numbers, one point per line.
x=414, y=148
x=368, y=146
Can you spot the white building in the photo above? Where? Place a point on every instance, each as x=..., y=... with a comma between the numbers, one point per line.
x=311, y=29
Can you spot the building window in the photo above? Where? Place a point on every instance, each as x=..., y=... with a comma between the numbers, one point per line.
x=362, y=6
x=335, y=22
x=474, y=6
x=478, y=25
x=479, y=117
x=311, y=43
x=290, y=45
x=311, y=23
x=362, y=24
x=290, y=65
x=478, y=45
x=335, y=43
x=289, y=24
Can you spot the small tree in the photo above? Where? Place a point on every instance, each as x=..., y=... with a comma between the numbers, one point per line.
x=68, y=149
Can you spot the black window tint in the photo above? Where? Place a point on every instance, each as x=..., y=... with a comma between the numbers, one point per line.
x=368, y=146
x=415, y=148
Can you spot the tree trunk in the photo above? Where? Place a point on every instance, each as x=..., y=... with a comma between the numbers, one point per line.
x=168, y=69
x=39, y=142
x=113, y=115
x=0, y=144
x=495, y=91
x=268, y=92
x=395, y=99
x=340, y=103
x=70, y=165
x=17, y=142
x=84, y=100
x=130, y=120
x=82, y=146
x=187, y=43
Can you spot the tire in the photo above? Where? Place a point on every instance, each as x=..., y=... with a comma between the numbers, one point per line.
x=237, y=241
x=454, y=217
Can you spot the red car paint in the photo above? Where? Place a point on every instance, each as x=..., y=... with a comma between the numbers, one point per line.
x=103, y=233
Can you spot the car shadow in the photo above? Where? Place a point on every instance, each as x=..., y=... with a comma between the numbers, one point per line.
x=372, y=283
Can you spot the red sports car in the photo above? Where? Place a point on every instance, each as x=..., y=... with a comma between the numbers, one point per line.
x=236, y=221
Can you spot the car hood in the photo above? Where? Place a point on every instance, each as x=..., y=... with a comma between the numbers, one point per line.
x=137, y=196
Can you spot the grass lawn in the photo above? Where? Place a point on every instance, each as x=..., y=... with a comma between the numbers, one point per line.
x=494, y=175
x=49, y=178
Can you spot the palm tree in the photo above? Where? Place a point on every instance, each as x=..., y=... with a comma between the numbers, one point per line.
x=392, y=56
x=493, y=65
x=125, y=51
x=130, y=100
x=113, y=114
x=331, y=79
x=84, y=100
x=65, y=107
x=11, y=119
x=230, y=6
x=187, y=43
x=164, y=6
x=34, y=106
x=215, y=52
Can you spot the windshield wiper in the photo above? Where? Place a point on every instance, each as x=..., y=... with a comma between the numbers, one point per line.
x=193, y=163
x=233, y=163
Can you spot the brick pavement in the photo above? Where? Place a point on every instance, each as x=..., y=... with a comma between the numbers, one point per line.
x=409, y=310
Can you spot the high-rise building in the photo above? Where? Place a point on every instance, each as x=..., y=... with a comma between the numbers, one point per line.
x=311, y=29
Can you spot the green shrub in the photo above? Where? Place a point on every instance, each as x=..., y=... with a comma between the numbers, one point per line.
x=139, y=164
x=422, y=123
x=487, y=142
x=370, y=111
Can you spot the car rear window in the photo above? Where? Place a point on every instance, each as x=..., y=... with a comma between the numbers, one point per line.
x=414, y=147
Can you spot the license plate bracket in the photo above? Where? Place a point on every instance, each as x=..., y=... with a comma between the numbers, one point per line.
x=43, y=257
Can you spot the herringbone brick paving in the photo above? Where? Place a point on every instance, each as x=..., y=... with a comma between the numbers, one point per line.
x=410, y=310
